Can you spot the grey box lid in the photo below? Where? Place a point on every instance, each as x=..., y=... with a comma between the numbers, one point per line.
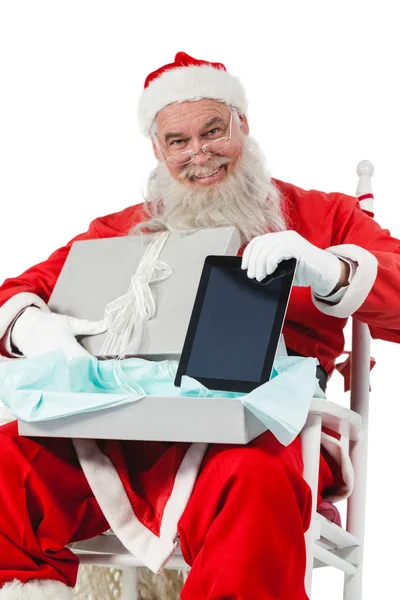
x=98, y=271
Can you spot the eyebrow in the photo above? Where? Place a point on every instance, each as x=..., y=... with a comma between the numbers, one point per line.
x=209, y=123
x=213, y=122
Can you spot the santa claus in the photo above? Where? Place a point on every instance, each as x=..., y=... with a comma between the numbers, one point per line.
x=239, y=513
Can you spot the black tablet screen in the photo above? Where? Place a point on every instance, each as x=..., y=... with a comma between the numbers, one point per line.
x=234, y=326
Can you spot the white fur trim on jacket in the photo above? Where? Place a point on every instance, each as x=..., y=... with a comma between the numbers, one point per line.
x=189, y=84
x=182, y=490
x=338, y=450
x=35, y=590
x=360, y=285
x=112, y=498
x=15, y=305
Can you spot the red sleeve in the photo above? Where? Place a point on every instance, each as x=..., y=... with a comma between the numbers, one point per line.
x=380, y=308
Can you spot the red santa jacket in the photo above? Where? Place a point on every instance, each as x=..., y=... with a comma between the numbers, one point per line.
x=143, y=493
x=313, y=328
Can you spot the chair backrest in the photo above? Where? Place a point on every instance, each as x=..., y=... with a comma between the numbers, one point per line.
x=359, y=396
x=329, y=545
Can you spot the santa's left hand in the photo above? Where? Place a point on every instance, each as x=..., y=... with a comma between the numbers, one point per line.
x=317, y=268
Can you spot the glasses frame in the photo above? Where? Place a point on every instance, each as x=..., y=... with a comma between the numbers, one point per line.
x=203, y=149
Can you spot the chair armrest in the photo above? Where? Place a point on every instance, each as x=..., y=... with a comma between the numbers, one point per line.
x=338, y=418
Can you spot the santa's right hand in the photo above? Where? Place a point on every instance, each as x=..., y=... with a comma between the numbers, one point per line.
x=37, y=331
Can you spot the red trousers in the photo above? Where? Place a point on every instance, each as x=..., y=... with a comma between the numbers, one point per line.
x=242, y=530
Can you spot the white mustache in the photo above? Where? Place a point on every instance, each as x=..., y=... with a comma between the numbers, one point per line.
x=203, y=171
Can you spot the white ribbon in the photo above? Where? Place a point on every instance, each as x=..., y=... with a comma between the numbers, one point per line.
x=127, y=315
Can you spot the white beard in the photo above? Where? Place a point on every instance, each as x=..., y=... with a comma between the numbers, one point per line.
x=247, y=198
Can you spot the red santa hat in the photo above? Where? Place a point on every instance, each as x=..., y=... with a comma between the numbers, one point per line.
x=188, y=79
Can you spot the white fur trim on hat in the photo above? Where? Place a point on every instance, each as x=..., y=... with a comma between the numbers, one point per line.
x=35, y=590
x=182, y=84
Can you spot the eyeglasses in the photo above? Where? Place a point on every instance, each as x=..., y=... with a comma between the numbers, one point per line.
x=214, y=147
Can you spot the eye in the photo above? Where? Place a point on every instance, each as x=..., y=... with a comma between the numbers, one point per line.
x=176, y=142
x=213, y=131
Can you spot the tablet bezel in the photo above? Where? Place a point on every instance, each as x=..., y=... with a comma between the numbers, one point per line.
x=286, y=269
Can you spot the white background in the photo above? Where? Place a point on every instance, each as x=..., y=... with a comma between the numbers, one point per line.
x=322, y=82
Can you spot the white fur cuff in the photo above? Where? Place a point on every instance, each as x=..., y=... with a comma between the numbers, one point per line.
x=360, y=285
x=35, y=590
x=12, y=308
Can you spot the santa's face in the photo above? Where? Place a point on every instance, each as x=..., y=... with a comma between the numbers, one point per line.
x=188, y=126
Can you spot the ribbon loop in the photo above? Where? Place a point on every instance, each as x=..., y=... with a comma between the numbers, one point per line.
x=127, y=315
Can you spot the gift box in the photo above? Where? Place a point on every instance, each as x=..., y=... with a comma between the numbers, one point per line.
x=135, y=399
x=147, y=284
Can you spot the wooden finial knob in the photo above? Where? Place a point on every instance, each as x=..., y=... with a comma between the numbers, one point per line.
x=365, y=167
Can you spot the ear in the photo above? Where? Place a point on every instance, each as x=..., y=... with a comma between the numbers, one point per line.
x=244, y=124
x=156, y=151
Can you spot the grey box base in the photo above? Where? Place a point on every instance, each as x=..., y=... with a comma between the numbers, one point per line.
x=172, y=419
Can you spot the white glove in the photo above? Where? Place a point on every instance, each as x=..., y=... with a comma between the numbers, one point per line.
x=317, y=268
x=37, y=331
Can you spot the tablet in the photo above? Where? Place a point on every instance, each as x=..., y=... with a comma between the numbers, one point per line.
x=234, y=329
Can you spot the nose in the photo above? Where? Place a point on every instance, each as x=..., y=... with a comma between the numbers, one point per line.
x=199, y=157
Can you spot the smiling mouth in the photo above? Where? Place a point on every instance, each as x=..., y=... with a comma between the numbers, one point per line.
x=206, y=175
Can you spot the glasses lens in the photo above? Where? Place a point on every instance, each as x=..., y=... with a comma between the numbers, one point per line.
x=217, y=146
x=182, y=158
